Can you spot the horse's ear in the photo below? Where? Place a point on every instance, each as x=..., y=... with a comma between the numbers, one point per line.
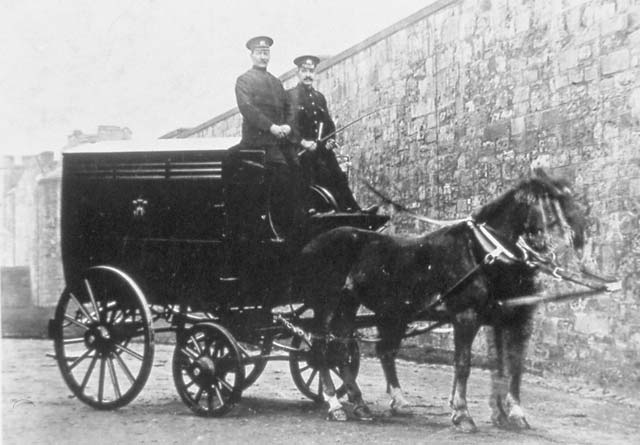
x=539, y=172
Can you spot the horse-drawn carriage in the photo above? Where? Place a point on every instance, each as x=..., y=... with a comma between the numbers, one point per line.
x=178, y=236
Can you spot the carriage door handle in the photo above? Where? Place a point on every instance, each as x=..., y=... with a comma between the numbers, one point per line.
x=139, y=207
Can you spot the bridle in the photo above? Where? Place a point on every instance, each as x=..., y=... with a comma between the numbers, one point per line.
x=495, y=250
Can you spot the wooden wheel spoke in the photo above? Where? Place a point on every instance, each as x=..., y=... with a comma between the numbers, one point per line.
x=92, y=297
x=79, y=359
x=87, y=375
x=81, y=306
x=129, y=351
x=226, y=384
x=198, y=395
x=196, y=344
x=125, y=368
x=311, y=377
x=114, y=377
x=72, y=320
x=303, y=369
x=244, y=351
x=189, y=353
x=73, y=341
x=219, y=394
x=116, y=316
x=101, y=381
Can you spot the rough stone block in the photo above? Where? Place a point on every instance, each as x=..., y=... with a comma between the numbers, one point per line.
x=614, y=62
x=615, y=24
x=568, y=59
x=518, y=125
x=497, y=130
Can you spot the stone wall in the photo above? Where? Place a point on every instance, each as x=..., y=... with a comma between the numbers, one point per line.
x=471, y=94
x=48, y=280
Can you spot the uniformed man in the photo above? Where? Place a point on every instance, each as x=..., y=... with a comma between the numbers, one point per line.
x=311, y=122
x=265, y=110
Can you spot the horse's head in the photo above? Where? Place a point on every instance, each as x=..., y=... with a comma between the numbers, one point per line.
x=542, y=210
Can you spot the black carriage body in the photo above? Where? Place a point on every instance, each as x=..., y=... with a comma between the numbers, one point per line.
x=180, y=216
x=156, y=211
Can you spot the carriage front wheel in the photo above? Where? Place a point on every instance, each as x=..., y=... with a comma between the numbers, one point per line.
x=207, y=369
x=103, y=338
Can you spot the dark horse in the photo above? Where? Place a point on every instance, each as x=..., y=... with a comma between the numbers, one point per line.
x=458, y=274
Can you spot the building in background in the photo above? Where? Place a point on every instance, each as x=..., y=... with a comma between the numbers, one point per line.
x=31, y=279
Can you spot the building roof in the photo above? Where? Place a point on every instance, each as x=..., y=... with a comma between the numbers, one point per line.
x=137, y=145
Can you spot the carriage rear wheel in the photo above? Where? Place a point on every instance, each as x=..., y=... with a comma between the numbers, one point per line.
x=306, y=375
x=103, y=338
x=207, y=369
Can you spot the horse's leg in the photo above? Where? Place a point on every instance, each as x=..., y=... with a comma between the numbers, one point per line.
x=346, y=329
x=498, y=380
x=360, y=409
x=387, y=350
x=517, y=338
x=321, y=350
x=465, y=329
x=336, y=411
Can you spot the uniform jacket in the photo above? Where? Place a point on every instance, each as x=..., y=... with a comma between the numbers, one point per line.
x=262, y=101
x=309, y=108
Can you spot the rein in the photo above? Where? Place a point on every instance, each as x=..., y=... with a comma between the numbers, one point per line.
x=401, y=208
x=527, y=255
x=495, y=250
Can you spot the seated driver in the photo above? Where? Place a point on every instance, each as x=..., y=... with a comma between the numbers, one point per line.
x=310, y=123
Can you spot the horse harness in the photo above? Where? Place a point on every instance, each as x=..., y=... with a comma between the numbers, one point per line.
x=495, y=250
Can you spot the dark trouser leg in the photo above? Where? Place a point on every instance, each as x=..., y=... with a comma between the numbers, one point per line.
x=297, y=188
x=279, y=198
x=330, y=175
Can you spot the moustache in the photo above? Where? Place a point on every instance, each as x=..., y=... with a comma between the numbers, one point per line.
x=308, y=78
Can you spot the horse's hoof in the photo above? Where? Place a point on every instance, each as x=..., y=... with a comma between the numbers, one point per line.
x=467, y=426
x=500, y=420
x=519, y=423
x=400, y=409
x=464, y=423
x=362, y=412
x=337, y=415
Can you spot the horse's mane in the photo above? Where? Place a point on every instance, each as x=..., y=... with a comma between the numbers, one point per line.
x=539, y=185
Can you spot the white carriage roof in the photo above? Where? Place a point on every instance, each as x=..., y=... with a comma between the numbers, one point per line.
x=134, y=145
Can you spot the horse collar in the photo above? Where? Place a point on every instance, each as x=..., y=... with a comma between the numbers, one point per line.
x=494, y=249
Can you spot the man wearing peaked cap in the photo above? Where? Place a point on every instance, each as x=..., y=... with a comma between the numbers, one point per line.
x=259, y=42
x=265, y=109
x=308, y=61
x=311, y=123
